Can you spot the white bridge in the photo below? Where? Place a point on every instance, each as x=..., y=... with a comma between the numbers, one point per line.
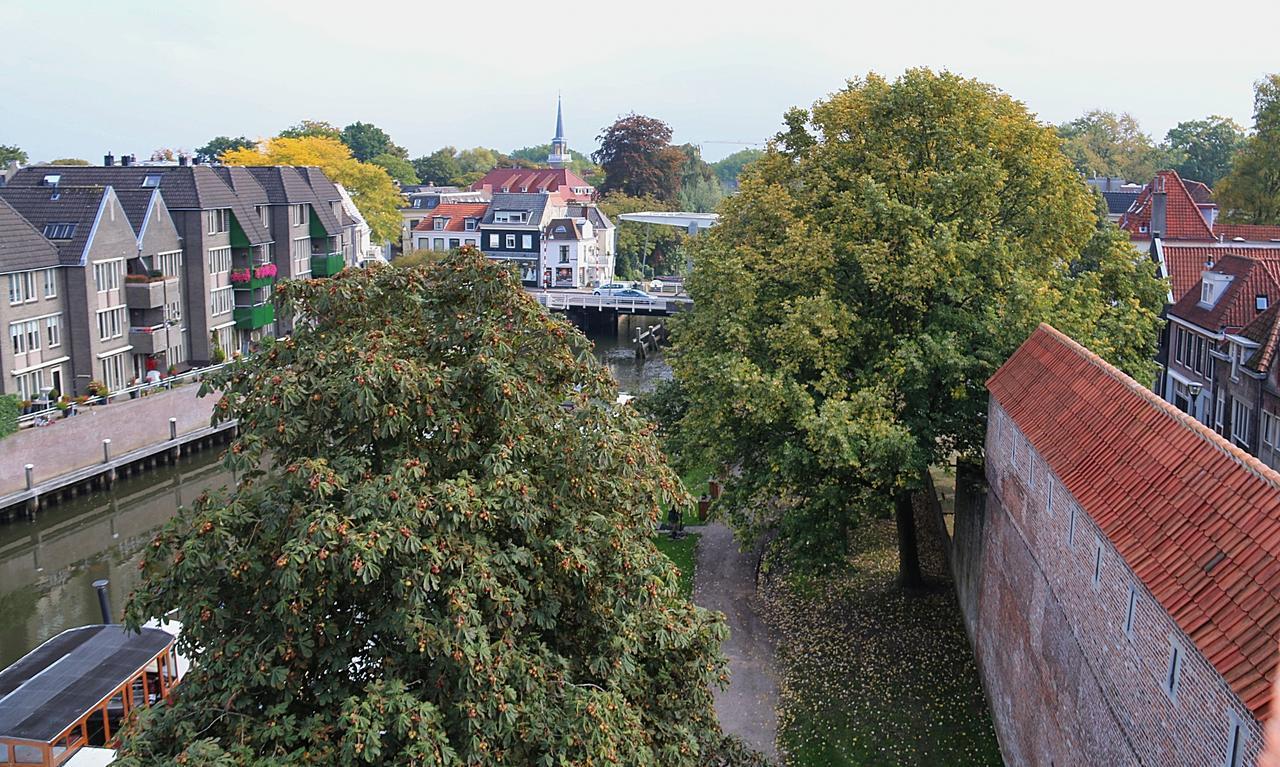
x=558, y=301
x=690, y=222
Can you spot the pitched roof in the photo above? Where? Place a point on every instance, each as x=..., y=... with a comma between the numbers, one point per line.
x=76, y=205
x=1237, y=306
x=136, y=203
x=1265, y=332
x=565, y=229
x=185, y=187
x=287, y=185
x=1248, y=232
x=1185, y=262
x=1183, y=218
x=516, y=180
x=1119, y=203
x=22, y=246
x=1195, y=518
x=591, y=213
x=456, y=215
x=534, y=204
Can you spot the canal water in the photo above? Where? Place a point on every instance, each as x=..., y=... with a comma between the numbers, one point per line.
x=47, y=565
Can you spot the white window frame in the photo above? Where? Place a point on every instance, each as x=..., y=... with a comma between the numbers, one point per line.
x=219, y=260
x=1131, y=611
x=511, y=242
x=106, y=274
x=50, y=283
x=221, y=301
x=112, y=323
x=53, y=330
x=1268, y=430
x=1241, y=420
x=1097, y=564
x=22, y=288
x=1237, y=739
x=300, y=256
x=526, y=242
x=495, y=240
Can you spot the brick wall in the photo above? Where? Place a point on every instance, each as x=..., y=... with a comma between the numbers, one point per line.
x=1067, y=684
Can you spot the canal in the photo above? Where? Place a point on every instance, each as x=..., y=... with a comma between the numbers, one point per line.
x=47, y=566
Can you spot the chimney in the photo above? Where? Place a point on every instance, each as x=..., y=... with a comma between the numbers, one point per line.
x=125, y=160
x=182, y=159
x=108, y=159
x=1159, y=203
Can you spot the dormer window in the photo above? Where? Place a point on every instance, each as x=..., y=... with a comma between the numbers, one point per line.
x=1261, y=303
x=1206, y=293
x=1143, y=228
x=469, y=225
x=439, y=223
x=417, y=202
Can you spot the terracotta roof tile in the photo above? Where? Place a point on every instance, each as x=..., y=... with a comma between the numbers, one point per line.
x=1211, y=496
x=1237, y=306
x=455, y=215
x=1183, y=217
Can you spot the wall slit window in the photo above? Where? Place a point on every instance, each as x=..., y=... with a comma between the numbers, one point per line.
x=1128, y=615
x=1174, y=671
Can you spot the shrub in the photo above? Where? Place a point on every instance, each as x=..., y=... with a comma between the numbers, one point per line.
x=8, y=414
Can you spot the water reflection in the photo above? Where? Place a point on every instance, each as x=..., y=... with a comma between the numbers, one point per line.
x=614, y=347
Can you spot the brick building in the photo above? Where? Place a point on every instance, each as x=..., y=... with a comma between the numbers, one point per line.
x=1119, y=579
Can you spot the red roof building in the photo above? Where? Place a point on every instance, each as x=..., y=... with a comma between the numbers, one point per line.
x=449, y=226
x=560, y=181
x=1167, y=199
x=1128, y=563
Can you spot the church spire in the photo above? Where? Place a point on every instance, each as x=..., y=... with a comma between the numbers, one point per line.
x=559, y=156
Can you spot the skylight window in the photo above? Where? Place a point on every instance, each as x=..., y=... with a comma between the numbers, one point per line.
x=52, y=179
x=59, y=231
x=151, y=180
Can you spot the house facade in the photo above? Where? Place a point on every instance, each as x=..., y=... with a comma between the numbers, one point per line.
x=512, y=230
x=35, y=357
x=450, y=226
x=1113, y=571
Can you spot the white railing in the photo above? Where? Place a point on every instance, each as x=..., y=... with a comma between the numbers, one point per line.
x=573, y=300
x=41, y=417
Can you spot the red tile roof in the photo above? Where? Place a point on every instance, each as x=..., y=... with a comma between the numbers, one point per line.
x=1249, y=232
x=1265, y=332
x=1185, y=262
x=1168, y=493
x=518, y=180
x=1183, y=219
x=1237, y=306
x=456, y=214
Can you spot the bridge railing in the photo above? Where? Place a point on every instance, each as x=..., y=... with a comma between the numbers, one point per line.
x=565, y=300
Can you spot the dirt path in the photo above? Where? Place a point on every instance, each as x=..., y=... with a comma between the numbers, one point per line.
x=725, y=581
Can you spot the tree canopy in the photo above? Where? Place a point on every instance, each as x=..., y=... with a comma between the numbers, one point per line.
x=69, y=161
x=881, y=259
x=439, y=552
x=1202, y=149
x=396, y=167
x=729, y=168
x=1250, y=193
x=638, y=159
x=218, y=145
x=311, y=129
x=367, y=141
x=643, y=250
x=439, y=168
x=369, y=185
x=700, y=189
x=10, y=154
x=1102, y=143
x=537, y=155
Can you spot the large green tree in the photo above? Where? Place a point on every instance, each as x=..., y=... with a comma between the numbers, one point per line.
x=729, y=168
x=10, y=154
x=1102, y=143
x=439, y=168
x=537, y=155
x=638, y=159
x=311, y=128
x=879, y=262
x=439, y=551
x=218, y=145
x=396, y=167
x=643, y=250
x=1250, y=193
x=367, y=141
x=1202, y=149
x=700, y=189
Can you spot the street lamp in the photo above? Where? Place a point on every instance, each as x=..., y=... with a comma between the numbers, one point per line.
x=1194, y=389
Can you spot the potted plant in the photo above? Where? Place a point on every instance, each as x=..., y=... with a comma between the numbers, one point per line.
x=64, y=406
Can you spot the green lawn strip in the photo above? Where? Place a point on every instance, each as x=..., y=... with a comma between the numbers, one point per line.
x=682, y=554
x=870, y=676
x=695, y=482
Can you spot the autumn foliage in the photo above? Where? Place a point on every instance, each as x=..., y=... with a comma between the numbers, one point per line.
x=439, y=553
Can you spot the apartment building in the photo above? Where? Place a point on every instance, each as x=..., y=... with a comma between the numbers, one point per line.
x=36, y=357
x=512, y=230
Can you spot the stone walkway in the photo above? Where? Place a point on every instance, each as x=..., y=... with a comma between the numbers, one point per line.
x=725, y=581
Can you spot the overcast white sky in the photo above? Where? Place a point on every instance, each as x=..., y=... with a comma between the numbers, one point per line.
x=81, y=77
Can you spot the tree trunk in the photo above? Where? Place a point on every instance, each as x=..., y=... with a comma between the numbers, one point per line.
x=904, y=514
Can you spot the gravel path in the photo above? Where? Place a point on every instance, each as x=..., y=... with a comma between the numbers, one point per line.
x=725, y=581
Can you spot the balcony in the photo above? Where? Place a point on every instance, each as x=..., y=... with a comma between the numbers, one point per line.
x=150, y=339
x=253, y=317
x=326, y=264
x=262, y=276
x=149, y=293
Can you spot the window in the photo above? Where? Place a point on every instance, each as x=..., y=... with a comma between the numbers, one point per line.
x=113, y=369
x=219, y=220
x=439, y=222
x=111, y=323
x=50, y=283
x=52, y=179
x=300, y=250
x=219, y=260
x=221, y=301
x=59, y=230
x=1174, y=671
x=495, y=240
x=151, y=180
x=437, y=244
x=1235, y=742
x=454, y=243
x=31, y=386
x=298, y=214
x=1219, y=410
x=564, y=254
x=1071, y=528
x=1201, y=355
x=1260, y=302
x=1097, y=563
x=107, y=274
x=1048, y=504
x=264, y=215
x=22, y=288
x=526, y=242
x=1241, y=420
x=469, y=225
x=1128, y=615
x=511, y=241
x=170, y=263
x=1268, y=430
x=53, y=330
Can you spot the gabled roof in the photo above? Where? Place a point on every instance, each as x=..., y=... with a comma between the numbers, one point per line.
x=242, y=182
x=591, y=213
x=1265, y=332
x=287, y=185
x=22, y=246
x=1183, y=218
x=517, y=180
x=1247, y=232
x=185, y=187
x=1119, y=203
x=1185, y=261
x=136, y=203
x=534, y=204
x=1237, y=306
x=1196, y=519
x=455, y=215
x=77, y=205
x=565, y=229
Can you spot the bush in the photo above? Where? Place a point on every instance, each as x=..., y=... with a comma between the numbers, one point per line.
x=8, y=414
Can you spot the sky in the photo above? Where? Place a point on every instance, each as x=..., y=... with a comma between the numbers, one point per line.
x=79, y=78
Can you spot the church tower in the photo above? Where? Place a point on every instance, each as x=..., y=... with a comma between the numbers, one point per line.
x=559, y=157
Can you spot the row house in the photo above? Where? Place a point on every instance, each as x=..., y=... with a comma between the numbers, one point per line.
x=449, y=226
x=1117, y=573
x=35, y=359
x=421, y=200
x=1229, y=295
x=512, y=230
x=240, y=230
x=1247, y=390
x=552, y=243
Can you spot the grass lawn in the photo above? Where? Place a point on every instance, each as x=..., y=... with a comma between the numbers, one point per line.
x=680, y=552
x=695, y=481
x=870, y=676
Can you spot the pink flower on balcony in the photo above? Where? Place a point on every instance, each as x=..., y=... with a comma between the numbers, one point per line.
x=265, y=271
x=241, y=275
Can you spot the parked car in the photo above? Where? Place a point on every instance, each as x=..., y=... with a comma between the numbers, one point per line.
x=634, y=294
x=610, y=289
